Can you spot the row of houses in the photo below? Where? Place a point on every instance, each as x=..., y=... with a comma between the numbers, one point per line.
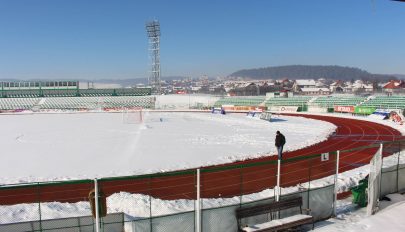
x=261, y=87
x=313, y=87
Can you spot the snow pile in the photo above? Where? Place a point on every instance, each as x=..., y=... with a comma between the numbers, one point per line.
x=51, y=210
x=353, y=219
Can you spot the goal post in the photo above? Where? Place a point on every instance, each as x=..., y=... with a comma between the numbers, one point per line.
x=133, y=115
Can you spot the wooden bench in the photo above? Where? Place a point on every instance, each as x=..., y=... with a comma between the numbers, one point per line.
x=272, y=210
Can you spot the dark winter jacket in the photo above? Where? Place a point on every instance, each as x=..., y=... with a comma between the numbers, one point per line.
x=280, y=140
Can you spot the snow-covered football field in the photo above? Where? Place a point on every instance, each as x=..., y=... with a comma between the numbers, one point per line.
x=38, y=147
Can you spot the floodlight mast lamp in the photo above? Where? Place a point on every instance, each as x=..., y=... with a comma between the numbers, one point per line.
x=153, y=31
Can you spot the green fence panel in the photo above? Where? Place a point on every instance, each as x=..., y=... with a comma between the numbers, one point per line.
x=364, y=110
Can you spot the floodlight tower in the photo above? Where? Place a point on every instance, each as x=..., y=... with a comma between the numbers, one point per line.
x=153, y=31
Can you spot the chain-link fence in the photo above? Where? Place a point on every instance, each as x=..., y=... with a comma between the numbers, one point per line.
x=141, y=199
x=393, y=169
x=190, y=200
x=45, y=206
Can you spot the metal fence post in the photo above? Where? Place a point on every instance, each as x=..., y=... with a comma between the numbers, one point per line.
x=198, y=201
x=241, y=187
x=278, y=192
x=379, y=176
x=309, y=181
x=336, y=184
x=39, y=206
x=150, y=204
x=399, y=154
x=96, y=205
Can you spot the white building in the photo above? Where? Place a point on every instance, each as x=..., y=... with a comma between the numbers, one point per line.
x=315, y=91
x=300, y=84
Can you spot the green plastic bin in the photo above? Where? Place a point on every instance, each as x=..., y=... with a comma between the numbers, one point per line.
x=359, y=193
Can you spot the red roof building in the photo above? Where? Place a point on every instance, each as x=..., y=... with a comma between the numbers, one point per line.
x=394, y=84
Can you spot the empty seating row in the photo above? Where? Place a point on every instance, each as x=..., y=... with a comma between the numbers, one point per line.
x=98, y=102
x=17, y=103
x=240, y=101
x=22, y=96
x=330, y=101
x=129, y=101
x=289, y=101
x=386, y=102
x=75, y=103
x=68, y=103
x=26, y=93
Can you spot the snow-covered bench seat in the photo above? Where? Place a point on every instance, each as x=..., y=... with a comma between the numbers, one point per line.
x=272, y=209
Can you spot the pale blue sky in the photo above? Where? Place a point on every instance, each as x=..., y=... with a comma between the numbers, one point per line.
x=106, y=39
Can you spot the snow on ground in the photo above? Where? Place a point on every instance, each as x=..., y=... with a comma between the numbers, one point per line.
x=184, y=102
x=350, y=218
x=236, y=128
x=43, y=147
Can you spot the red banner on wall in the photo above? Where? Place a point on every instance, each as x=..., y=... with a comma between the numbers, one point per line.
x=347, y=109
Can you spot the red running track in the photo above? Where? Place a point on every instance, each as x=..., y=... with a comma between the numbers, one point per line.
x=226, y=182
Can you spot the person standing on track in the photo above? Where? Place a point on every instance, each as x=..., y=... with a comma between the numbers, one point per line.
x=280, y=141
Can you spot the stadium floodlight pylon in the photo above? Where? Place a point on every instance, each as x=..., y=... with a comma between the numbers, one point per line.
x=153, y=31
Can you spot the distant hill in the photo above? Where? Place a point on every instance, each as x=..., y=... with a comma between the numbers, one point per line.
x=399, y=76
x=310, y=72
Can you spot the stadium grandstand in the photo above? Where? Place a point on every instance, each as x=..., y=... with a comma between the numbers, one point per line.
x=300, y=101
x=66, y=95
x=77, y=103
x=240, y=101
x=35, y=89
x=17, y=103
x=386, y=102
x=331, y=101
x=326, y=102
